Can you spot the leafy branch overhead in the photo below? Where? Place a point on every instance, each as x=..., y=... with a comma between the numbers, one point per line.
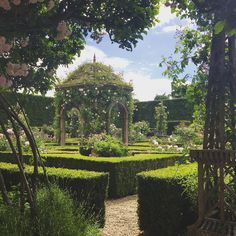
x=55, y=33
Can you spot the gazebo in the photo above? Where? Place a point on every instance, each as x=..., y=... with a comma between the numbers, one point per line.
x=94, y=90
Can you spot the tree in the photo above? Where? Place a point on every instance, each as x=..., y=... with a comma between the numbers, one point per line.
x=43, y=35
x=39, y=35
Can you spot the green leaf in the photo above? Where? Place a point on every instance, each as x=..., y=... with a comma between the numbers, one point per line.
x=231, y=32
x=219, y=26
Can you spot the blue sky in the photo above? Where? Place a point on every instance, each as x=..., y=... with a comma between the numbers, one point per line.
x=141, y=66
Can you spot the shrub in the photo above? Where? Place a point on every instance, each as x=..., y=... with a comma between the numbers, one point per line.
x=139, y=131
x=103, y=145
x=122, y=170
x=3, y=144
x=88, y=188
x=189, y=136
x=167, y=200
x=56, y=213
x=161, y=115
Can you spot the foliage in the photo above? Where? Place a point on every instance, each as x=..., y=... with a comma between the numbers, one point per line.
x=56, y=215
x=44, y=113
x=139, y=131
x=189, y=136
x=102, y=145
x=79, y=18
x=48, y=130
x=161, y=119
x=167, y=197
x=4, y=146
x=97, y=92
x=178, y=109
x=74, y=127
x=122, y=172
x=88, y=188
x=161, y=97
x=115, y=131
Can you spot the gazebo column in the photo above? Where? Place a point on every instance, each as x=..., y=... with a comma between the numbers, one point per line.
x=126, y=128
x=62, y=127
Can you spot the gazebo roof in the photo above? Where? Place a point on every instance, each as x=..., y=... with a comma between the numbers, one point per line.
x=94, y=75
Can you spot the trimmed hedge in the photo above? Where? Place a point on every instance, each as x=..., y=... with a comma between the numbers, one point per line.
x=122, y=170
x=88, y=188
x=167, y=200
x=39, y=109
x=179, y=109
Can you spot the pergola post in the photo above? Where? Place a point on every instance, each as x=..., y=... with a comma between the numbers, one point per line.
x=62, y=127
x=126, y=128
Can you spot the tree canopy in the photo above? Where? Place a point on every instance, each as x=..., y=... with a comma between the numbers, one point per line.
x=44, y=34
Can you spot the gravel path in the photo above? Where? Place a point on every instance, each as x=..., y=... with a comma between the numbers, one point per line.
x=121, y=217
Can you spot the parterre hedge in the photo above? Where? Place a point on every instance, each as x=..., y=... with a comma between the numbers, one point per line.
x=167, y=200
x=88, y=188
x=122, y=170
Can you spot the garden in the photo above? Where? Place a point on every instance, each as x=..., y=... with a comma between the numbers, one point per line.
x=65, y=160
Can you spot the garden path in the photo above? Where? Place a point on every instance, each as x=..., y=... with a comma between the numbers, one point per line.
x=121, y=217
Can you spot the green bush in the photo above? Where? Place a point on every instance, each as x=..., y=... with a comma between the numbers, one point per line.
x=122, y=170
x=102, y=145
x=139, y=131
x=87, y=188
x=178, y=110
x=3, y=144
x=167, y=200
x=56, y=216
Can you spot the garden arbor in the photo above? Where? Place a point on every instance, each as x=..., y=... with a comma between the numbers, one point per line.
x=95, y=90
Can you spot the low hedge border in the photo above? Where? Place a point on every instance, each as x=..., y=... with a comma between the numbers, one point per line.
x=88, y=188
x=167, y=200
x=122, y=170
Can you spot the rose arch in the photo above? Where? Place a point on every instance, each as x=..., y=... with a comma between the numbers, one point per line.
x=95, y=90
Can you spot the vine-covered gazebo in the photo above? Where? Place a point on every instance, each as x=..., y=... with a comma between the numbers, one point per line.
x=94, y=90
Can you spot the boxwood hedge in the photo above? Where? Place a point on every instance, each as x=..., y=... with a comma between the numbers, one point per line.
x=167, y=200
x=122, y=170
x=88, y=188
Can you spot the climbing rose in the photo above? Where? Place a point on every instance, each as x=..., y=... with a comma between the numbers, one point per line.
x=63, y=31
x=16, y=2
x=4, y=47
x=17, y=69
x=4, y=83
x=5, y=5
x=51, y=5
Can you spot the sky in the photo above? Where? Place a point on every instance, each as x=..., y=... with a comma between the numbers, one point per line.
x=141, y=66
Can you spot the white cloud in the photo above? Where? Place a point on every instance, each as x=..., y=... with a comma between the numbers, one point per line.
x=170, y=28
x=87, y=54
x=146, y=88
x=165, y=16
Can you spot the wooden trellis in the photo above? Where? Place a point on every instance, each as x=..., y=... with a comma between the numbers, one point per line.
x=216, y=193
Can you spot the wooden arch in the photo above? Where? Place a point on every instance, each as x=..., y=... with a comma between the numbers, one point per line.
x=125, y=115
x=63, y=111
